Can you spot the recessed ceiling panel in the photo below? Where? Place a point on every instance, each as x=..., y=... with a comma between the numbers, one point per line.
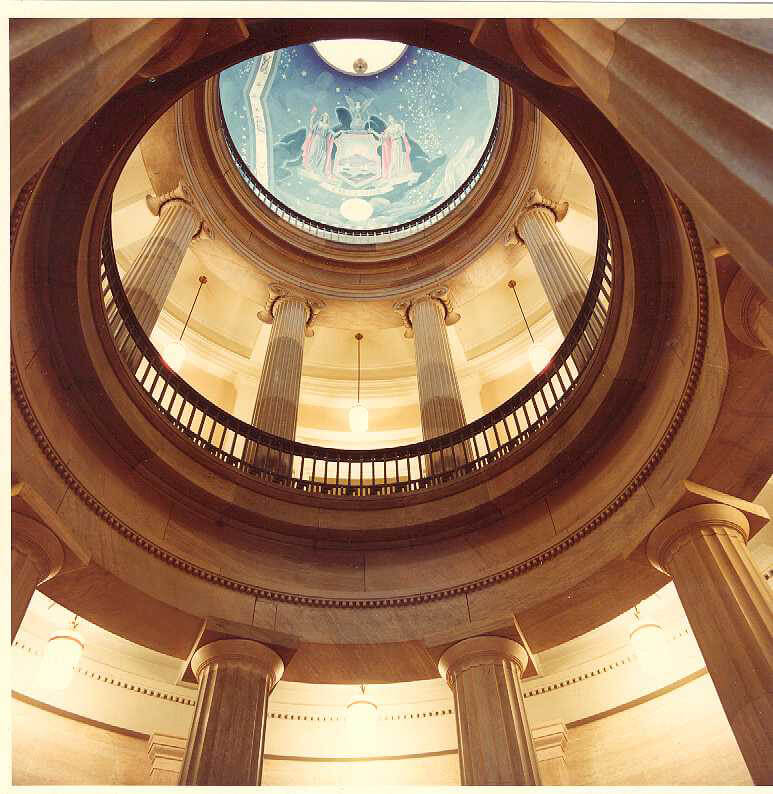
x=355, y=139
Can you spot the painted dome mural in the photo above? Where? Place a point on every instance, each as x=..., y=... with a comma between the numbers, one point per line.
x=359, y=145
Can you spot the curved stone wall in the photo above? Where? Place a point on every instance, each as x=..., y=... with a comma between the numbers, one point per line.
x=81, y=440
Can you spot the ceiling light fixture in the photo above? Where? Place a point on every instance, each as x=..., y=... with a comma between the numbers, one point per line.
x=358, y=413
x=649, y=642
x=370, y=56
x=361, y=712
x=174, y=353
x=539, y=357
x=61, y=657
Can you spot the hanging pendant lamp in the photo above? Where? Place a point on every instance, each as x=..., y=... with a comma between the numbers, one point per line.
x=174, y=353
x=539, y=356
x=361, y=711
x=358, y=413
x=61, y=657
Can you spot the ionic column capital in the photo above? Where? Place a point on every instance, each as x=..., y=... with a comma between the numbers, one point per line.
x=747, y=313
x=478, y=652
x=182, y=192
x=534, y=200
x=265, y=662
x=706, y=519
x=279, y=293
x=441, y=295
x=37, y=542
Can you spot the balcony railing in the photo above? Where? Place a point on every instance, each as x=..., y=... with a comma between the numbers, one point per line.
x=361, y=236
x=361, y=473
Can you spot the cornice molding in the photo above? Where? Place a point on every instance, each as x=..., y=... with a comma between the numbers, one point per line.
x=519, y=569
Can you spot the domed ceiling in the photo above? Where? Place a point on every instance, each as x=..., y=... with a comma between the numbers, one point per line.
x=360, y=135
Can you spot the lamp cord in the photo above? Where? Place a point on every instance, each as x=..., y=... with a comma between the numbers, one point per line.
x=358, y=337
x=202, y=282
x=511, y=284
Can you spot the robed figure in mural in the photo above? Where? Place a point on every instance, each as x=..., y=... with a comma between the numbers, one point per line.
x=395, y=150
x=318, y=145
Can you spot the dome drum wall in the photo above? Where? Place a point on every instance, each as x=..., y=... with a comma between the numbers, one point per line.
x=114, y=450
x=337, y=270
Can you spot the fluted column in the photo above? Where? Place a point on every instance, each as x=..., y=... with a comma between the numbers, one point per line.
x=227, y=735
x=693, y=98
x=63, y=70
x=149, y=279
x=495, y=744
x=749, y=314
x=564, y=283
x=290, y=315
x=440, y=400
x=730, y=609
x=36, y=555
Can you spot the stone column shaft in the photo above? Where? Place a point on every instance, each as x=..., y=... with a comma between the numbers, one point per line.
x=227, y=735
x=63, y=70
x=730, y=609
x=149, y=280
x=276, y=406
x=564, y=283
x=36, y=555
x=693, y=98
x=495, y=744
x=440, y=399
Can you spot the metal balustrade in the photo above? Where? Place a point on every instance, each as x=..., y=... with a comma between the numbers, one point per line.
x=360, y=473
x=360, y=236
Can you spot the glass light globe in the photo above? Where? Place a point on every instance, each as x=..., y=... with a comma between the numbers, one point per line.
x=361, y=713
x=61, y=657
x=539, y=357
x=358, y=418
x=650, y=647
x=174, y=355
x=342, y=54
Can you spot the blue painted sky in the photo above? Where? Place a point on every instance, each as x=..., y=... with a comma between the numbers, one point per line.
x=446, y=109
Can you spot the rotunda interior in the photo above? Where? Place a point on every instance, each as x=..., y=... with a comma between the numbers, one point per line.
x=390, y=403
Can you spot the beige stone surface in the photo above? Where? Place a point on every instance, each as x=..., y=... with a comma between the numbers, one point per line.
x=495, y=742
x=51, y=749
x=701, y=144
x=680, y=738
x=730, y=608
x=226, y=740
x=91, y=60
x=276, y=405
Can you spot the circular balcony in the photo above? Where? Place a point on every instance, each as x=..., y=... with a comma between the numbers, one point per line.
x=363, y=473
x=546, y=522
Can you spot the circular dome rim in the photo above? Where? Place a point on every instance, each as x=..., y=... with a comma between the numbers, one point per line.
x=398, y=231
x=329, y=269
